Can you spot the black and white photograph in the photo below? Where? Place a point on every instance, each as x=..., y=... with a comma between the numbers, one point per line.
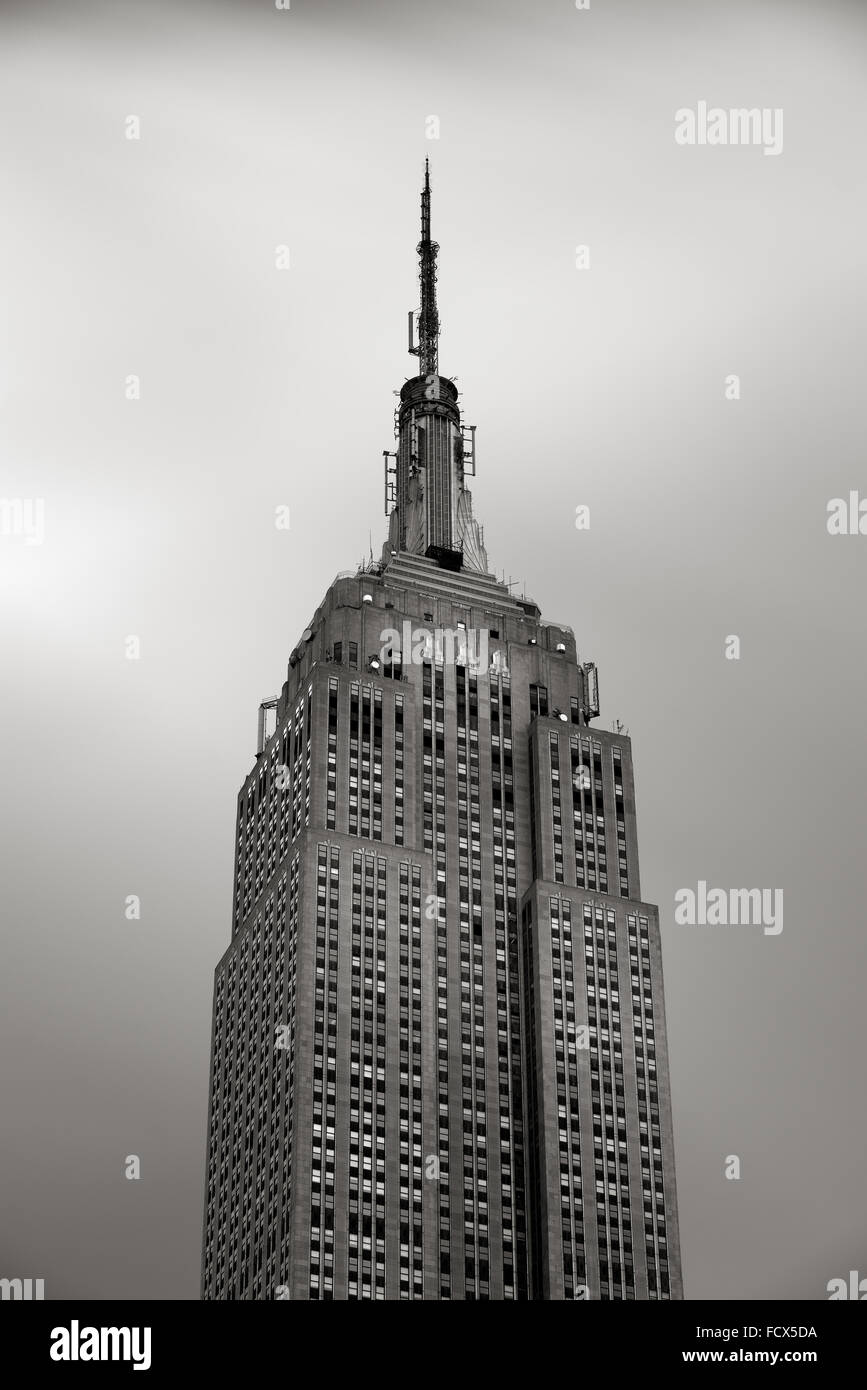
x=433, y=540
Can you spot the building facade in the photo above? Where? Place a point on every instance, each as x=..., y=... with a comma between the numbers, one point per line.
x=438, y=1065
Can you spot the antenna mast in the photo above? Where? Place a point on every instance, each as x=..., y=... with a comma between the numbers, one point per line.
x=427, y=347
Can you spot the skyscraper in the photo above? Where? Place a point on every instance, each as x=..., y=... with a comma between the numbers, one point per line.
x=439, y=1065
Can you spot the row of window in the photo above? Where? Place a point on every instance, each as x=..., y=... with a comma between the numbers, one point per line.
x=249, y=1178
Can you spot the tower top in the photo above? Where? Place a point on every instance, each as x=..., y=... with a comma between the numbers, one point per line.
x=427, y=347
x=427, y=500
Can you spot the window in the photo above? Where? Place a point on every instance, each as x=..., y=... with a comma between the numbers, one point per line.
x=538, y=700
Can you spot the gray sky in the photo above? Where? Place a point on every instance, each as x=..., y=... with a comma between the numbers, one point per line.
x=262, y=387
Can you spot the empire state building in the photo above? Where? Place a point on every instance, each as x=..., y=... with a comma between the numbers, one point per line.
x=438, y=1062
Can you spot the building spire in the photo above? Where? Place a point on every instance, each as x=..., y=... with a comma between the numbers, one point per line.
x=427, y=499
x=427, y=347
